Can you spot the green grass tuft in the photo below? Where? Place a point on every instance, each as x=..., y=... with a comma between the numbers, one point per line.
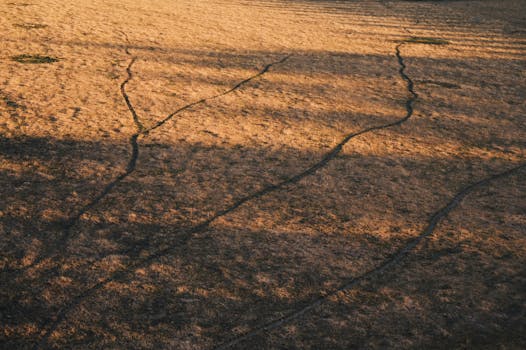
x=424, y=40
x=34, y=59
x=30, y=25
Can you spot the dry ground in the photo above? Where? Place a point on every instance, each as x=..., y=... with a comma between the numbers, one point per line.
x=185, y=176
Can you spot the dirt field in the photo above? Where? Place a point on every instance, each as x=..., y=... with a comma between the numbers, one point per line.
x=227, y=174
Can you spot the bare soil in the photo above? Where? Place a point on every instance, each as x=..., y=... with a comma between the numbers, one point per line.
x=262, y=174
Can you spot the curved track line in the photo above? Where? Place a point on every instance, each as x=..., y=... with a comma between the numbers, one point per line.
x=326, y=159
x=141, y=131
x=390, y=262
x=136, y=120
x=185, y=236
x=132, y=162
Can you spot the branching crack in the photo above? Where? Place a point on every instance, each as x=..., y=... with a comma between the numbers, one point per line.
x=142, y=131
x=185, y=236
x=182, y=237
x=130, y=168
x=378, y=270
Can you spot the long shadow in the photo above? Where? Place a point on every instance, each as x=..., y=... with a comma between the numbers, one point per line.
x=248, y=276
x=188, y=232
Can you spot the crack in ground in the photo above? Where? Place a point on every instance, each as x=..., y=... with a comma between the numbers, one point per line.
x=328, y=157
x=132, y=162
x=433, y=222
x=142, y=131
x=136, y=120
x=130, y=168
x=380, y=269
x=185, y=236
x=237, y=86
x=69, y=223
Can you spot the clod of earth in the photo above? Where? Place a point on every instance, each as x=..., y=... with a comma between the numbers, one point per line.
x=440, y=83
x=34, y=59
x=425, y=40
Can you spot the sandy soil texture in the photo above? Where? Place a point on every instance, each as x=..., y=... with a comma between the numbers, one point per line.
x=229, y=174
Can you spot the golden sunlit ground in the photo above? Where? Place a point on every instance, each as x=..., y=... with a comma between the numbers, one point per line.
x=228, y=174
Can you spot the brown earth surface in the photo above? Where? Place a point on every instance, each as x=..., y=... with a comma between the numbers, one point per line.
x=236, y=174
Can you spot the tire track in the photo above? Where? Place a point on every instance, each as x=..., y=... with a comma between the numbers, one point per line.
x=185, y=236
x=380, y=269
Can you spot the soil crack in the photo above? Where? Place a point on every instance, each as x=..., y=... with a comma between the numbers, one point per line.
x=142, y=131
x=236, y=87
x=185, y=236
x=69, y=223
x=378, y=270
